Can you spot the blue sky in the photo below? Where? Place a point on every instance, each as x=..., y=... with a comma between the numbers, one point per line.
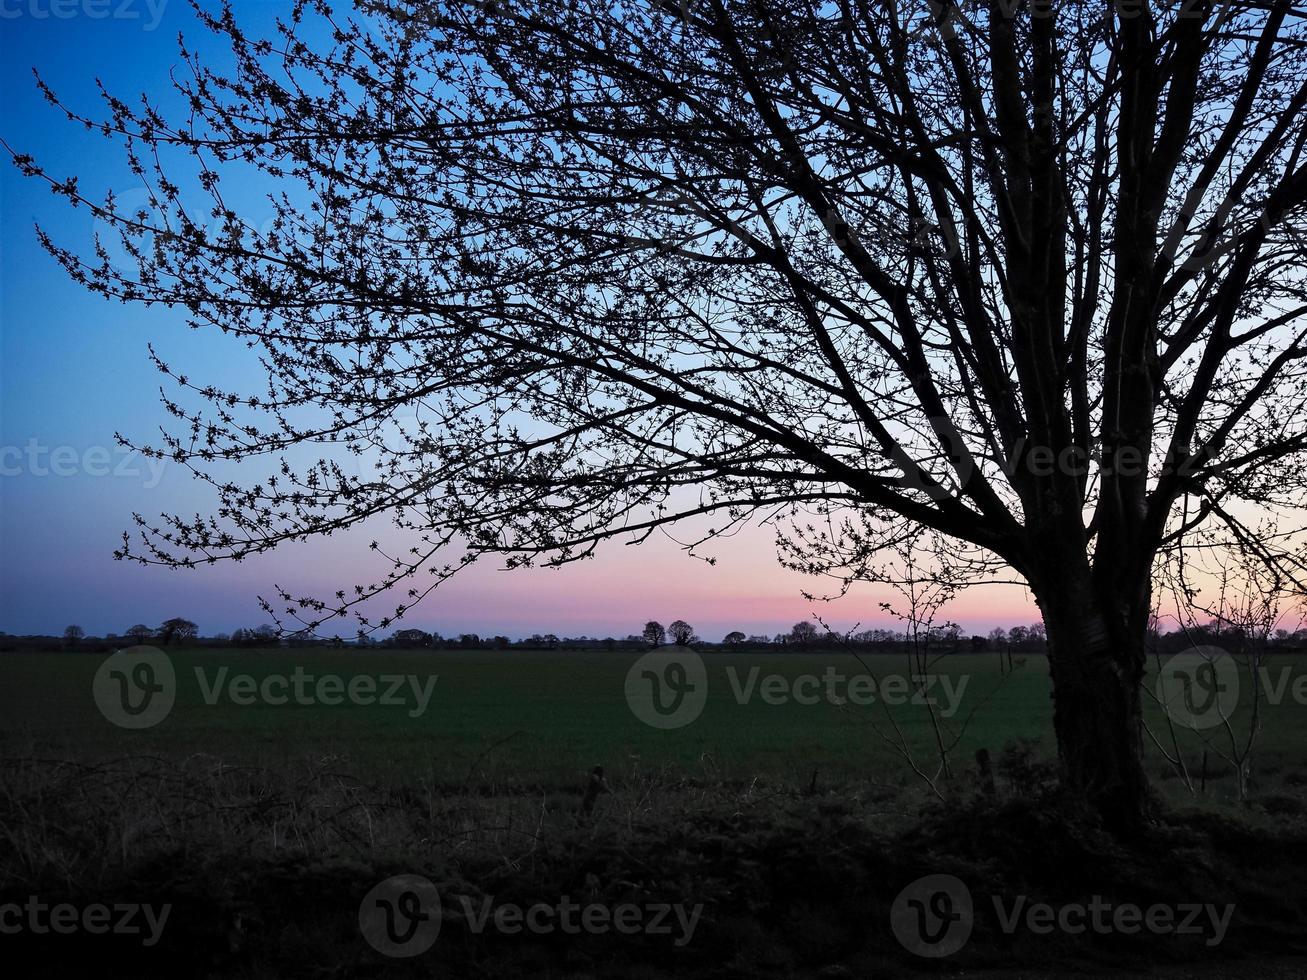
x=74, y=370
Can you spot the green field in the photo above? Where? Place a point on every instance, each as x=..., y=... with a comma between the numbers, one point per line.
x=511, y=720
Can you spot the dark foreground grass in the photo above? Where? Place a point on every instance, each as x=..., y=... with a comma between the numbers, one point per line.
x=264, y=828
x=265, y=872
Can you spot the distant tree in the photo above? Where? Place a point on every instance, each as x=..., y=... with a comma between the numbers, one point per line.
x=759, y=638
x=998, y=637
x=177, y=630
x=733, y=638
x=73, y=635
x=1018, y=635
x=978, y=643
x=139, y=633
x=654, y=634
x=803, y=632
x=680, y=632
x=411, y=638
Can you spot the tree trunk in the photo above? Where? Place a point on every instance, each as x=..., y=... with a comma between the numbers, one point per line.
x=1096, y=658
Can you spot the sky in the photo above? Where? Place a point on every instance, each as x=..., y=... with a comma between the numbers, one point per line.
x=74, y=370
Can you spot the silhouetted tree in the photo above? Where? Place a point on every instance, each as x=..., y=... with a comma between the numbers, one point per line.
x=654, y=634
x=139, y=633
x=803, y=632
x=73, y=635
x=411, y=638
x=176, y=630
x=1030, y=276
x=733, y=638
x=680, y=632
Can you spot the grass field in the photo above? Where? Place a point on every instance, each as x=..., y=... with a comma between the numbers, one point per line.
x=546, y=718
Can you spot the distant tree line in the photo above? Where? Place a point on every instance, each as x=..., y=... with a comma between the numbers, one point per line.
x=176, y=631
x=803, y=635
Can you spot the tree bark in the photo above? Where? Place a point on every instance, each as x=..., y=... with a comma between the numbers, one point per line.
x=1096, y=652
